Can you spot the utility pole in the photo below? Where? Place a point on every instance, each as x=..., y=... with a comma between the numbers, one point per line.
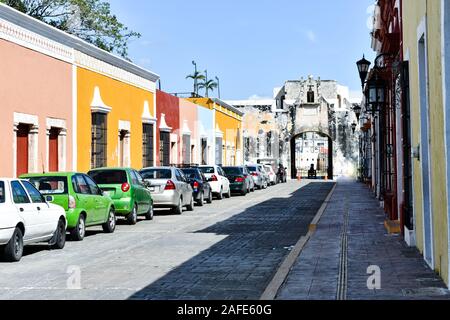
x=195, y=78
x=218, y=85
x=206, y=83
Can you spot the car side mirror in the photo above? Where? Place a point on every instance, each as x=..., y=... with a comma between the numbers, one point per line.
x=49, y=199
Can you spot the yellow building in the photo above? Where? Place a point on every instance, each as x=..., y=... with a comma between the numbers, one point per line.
x=115, y=113
x=425, y=43
x=228, y=131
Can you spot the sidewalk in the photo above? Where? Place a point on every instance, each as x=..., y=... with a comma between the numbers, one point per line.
x=349, y=238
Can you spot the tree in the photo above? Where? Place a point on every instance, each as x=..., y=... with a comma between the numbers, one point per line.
x=196, y=76
x=90, y=20
x=207, y=85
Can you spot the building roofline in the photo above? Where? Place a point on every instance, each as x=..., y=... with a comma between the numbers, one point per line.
x=41, y=28
x=226, y=105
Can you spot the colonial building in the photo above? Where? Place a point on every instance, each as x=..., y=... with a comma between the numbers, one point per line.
x=307, y=122
x=36, y=97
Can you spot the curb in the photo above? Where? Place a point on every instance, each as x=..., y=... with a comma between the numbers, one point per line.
x=283, y=271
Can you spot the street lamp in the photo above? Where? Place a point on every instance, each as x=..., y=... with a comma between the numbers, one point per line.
x=357, y=110
x=363, y=69
x=354, y=125
x=376, y=88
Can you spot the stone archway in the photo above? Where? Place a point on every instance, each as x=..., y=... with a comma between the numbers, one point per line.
x=325, y=168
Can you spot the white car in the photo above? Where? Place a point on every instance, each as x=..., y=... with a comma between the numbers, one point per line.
x=272, y=175
x=26, y=217
x=220, y=185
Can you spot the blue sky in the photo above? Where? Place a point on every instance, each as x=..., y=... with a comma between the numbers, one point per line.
x=251, y=45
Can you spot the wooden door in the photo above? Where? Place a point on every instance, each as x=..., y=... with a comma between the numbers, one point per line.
x=22, y=149
x=53, y=154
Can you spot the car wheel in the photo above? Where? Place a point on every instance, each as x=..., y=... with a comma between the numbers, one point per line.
x=60, y=236
x=178, y=209
x=190, y=207
x=110, y=225
x=201, y=201
x=244, y=192
x=220, y=195
x=132, y=217
x=210, y=197
x=150, y=214
x=78, y=233
x=14, y=249
x=228, y=194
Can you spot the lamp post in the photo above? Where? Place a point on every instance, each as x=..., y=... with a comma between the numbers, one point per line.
x=357, y=109
x=363, y=69
x=195, y=79
x=218, y=85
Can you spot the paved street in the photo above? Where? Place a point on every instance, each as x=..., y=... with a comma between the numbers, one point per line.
x=349, y=239
x=228, y=250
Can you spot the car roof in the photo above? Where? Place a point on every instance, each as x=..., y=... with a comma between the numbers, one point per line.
x=50, y=174
x=112, y=169
x=156, y=168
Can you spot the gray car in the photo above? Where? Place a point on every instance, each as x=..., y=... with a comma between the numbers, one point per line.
x=169, y=188
x=260, y=176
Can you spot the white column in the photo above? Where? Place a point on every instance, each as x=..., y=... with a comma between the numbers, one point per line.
x=33, y=155
x=62, y=150
x=14, y=149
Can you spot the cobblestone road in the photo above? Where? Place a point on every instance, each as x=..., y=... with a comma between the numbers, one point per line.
x=228, y=250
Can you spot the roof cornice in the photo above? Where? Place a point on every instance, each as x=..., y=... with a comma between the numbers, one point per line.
x=13, y=16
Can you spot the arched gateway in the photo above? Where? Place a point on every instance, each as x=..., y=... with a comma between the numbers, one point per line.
x=311, y=148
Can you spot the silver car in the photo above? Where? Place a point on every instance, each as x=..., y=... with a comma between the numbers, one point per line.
x=260, y=176
x=169, y=188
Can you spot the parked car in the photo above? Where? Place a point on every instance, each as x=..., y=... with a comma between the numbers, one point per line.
x=85, y=203
x=281, y=174
x=272, y=176
x=260, y=177
x=240, y=179
x=200, y=185
x=128, y=191
x=26, y=217
x=169, y=188
x=220, y=185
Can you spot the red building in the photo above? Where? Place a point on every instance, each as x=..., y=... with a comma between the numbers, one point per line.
x=168, y=127
x=391, y=163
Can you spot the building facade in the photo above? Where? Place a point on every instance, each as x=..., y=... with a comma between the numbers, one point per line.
x=425, y=45
x=36, y=99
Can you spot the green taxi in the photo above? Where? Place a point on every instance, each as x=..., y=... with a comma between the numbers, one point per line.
x=84, y=202
x=127, y=189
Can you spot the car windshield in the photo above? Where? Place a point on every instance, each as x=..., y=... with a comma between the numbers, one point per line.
x=191, y=173
x=207, y=170
x=252, y=169
x=50, y=185
x=230, y=171
x=154, y=174
x=2, y=192
x=109, y=176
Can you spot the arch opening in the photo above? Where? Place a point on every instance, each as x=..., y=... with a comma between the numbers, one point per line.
x=312, y=150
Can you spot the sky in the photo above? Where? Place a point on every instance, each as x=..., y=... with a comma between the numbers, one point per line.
x=253, y=46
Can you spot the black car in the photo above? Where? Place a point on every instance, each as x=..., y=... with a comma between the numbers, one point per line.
x=240, y=179
x=199, y=183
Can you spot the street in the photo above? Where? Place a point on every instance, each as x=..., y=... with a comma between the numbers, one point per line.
x=230, y=249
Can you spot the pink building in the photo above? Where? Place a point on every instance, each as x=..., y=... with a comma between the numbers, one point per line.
x=189, y=136
x=36, y=102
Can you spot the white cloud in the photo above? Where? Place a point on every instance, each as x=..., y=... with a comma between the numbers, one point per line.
x=144, y=62
x=258, y=97
x=311, y=35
